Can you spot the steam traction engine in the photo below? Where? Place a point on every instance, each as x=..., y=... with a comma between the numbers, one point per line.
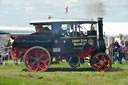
x=68, y=39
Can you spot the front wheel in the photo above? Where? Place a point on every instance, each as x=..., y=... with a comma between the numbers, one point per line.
x=101, y=62
x=37, y=59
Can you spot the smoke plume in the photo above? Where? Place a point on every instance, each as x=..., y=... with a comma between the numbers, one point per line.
x=91, y=8
x=95, y=7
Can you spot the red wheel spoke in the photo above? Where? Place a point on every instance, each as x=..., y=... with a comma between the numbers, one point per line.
x=36, y=53
x=33, y=63
x=44, y=61
x=106, y=61
x=108, y=66
x=32, y=67
x=45, y=65
x=98, y=58
x=43, y=55
x=43, y=52
x=29, y=54
x=102, y=58
x=97, y=63
x=41, y=68
x=99, y=67
x=32, y=57
x=37, y=68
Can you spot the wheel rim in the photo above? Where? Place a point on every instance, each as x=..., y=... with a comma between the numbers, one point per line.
x=37, y=59
x=101, y=62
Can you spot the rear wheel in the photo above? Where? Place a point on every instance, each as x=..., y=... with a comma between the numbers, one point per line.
x=101, y=62
x=37, y=59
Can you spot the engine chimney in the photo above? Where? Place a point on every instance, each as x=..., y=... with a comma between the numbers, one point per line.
x=102, y=45
x=100, y=27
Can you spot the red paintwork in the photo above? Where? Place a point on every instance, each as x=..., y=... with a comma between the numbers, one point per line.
x=18, y=53
x=37, y=60
x=86, y=53
x=102, y=58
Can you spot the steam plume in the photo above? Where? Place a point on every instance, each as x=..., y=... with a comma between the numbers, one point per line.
x=95, y=8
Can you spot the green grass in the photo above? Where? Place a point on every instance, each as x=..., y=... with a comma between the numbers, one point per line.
x=63, y=74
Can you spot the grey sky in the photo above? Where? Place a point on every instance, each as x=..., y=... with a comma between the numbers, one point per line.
x=20, y=12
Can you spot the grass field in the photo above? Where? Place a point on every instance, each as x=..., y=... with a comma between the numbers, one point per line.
x=63, y=74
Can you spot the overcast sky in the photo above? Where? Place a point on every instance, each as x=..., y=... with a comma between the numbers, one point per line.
x=20, y=12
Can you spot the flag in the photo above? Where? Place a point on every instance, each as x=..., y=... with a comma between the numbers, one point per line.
x=66, y=9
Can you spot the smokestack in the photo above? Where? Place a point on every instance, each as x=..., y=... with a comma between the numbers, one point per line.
x=100, y=27
x=102, y=45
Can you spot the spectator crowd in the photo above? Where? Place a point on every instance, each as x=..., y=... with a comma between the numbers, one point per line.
x=119, y=52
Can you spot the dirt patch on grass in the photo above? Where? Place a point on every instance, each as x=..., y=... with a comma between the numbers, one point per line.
x=42, y=78
x=34, y=77
x=25, y=70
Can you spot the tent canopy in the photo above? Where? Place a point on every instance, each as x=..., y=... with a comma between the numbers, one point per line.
x=4, y=32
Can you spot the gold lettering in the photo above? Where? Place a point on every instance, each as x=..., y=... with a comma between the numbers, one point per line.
x=83, y=40
x=78, y=44
x=75, y=41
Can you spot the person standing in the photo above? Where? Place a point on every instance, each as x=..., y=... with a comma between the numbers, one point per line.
x=4, y=54
x=122, y=52
x=116, y=47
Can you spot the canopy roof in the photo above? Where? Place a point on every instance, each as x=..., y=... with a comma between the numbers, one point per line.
x=4, y=32
x=50, y=21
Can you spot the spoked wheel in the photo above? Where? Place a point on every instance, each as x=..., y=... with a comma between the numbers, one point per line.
x=101, y=62
x=37, y=59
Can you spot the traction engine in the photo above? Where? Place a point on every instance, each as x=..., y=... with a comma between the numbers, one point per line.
x=71, y=39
